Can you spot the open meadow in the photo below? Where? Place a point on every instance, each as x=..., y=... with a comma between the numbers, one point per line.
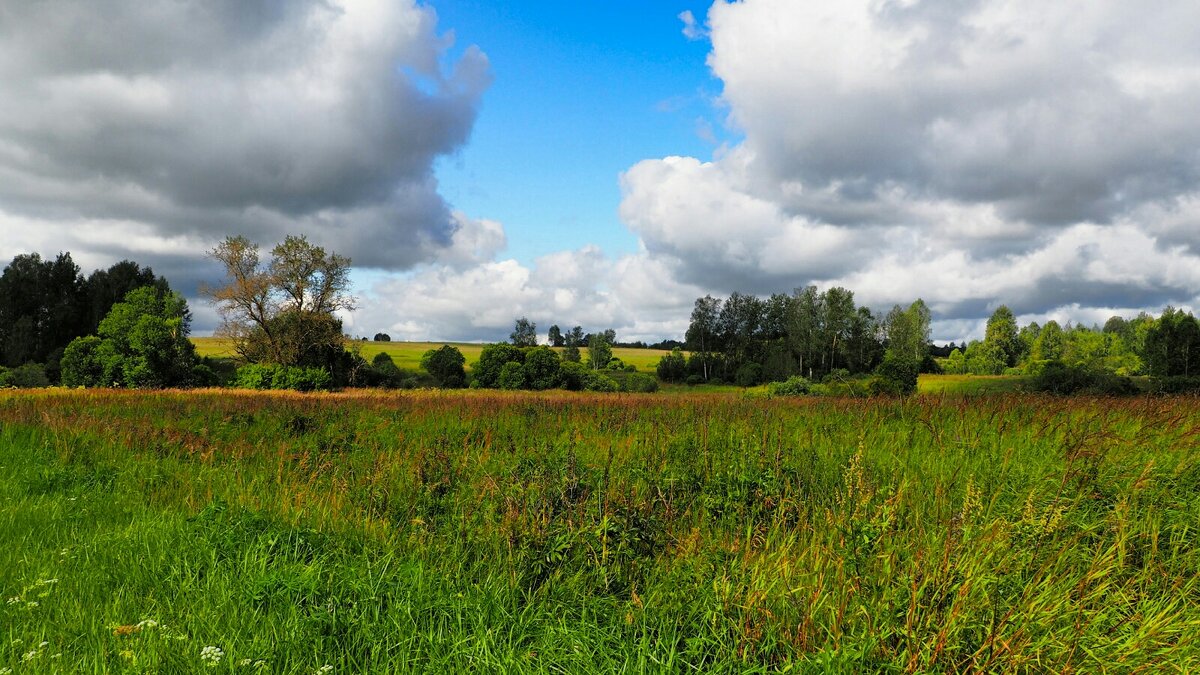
x=218, y=531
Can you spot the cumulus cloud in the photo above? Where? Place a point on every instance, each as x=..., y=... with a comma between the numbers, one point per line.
x=187, y=121
x=974, y=153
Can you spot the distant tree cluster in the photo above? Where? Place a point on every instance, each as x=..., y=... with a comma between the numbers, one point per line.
x=748, y=340
x=1164, y=347
x=521, y=364
x=45, y=304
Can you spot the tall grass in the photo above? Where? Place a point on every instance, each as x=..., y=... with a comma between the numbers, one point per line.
x=487, y=531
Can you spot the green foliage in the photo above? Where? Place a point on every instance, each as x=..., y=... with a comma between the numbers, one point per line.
x=793, y=386
x=748, y=375
x=636, y=383
x=512, y=376
x=524, y=333
x=493, y=358
x=599, y=351
x=985, y=358
x=896, y=376
x=1172, y=345
x=672, y=367
x=274, y=376
x=1056, y=377
x=1003, y=336
x=543, y=368
x=28, y=376
x=445, y=364
x=141, y=343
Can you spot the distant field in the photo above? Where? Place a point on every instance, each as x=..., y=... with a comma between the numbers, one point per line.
x=482, y=531
x=408, y=354
x=969, y=384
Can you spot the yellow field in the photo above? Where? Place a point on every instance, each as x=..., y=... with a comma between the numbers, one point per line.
x=407, y=355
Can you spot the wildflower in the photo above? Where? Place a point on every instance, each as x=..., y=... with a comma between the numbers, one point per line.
x=325, y=669
x=125, y=631
x=43, y=644
x=56, y=656
x=212, y=655
x=30, y=655
x=14, y=599
x=5, y=671
x=31, y=603
x=244, y=662
x=47, y=582
x=147, y=623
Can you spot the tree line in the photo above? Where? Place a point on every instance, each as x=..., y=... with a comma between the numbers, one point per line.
x=124, y=326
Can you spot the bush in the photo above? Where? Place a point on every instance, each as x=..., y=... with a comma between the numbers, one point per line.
x=512, y=376
x=693, y=380
x=270, y=376
x=597, y=382
x=492, y=360
x=637, y=383
x=672, y=367
x=1055, y=377
x=81, y=363
x=793, y=386
x=445, y=365
x=543, y=368
x=895, y=376
x=28, y=376
x=836, y=375
x=383, y=372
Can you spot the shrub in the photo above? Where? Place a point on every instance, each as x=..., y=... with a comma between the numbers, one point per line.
x=512, y=376
x=384, y=372
x=1055, y=377
x=492, y=360
x=793, y=386
x=836, y=375
x=896, y=376
x=270, y=376
x=672, y=367
x=543, y=368
x=693, y=380
x=445, y=365
x=597, y=382
x=637, y=383
x=28, y=376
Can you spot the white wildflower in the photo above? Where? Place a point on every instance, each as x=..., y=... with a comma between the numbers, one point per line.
x=14, y=599
x=244, y=662
x=31, y=603
x=56, y=656
x=147, y=623
x=30, y=655
x=43, y=645
x=325, y=669
x=212, y=655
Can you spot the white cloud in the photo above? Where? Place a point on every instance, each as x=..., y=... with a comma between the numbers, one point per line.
x=194, y=120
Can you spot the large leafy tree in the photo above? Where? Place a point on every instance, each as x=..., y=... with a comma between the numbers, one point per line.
x=702, y=333
x=283, y=310
x=1003, y=334
x=143, y=342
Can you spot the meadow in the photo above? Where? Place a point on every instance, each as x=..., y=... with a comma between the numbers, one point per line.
x=482, y=531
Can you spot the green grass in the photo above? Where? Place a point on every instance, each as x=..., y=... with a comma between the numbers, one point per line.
x=407, y=355
x=517, y=532
x=969, y=384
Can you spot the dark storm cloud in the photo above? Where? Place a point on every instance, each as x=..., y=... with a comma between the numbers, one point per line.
x=202, y=119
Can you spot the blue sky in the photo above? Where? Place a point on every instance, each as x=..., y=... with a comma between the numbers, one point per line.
x=582, y=91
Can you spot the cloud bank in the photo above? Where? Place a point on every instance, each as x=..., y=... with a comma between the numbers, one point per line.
x=151, y=129
x=1043, y=155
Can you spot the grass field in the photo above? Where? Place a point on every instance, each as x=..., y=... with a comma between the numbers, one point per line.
x=218, y=531
x=969, y=384
x=407, y=355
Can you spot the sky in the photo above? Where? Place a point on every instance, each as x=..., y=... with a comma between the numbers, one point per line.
x=604, y=164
